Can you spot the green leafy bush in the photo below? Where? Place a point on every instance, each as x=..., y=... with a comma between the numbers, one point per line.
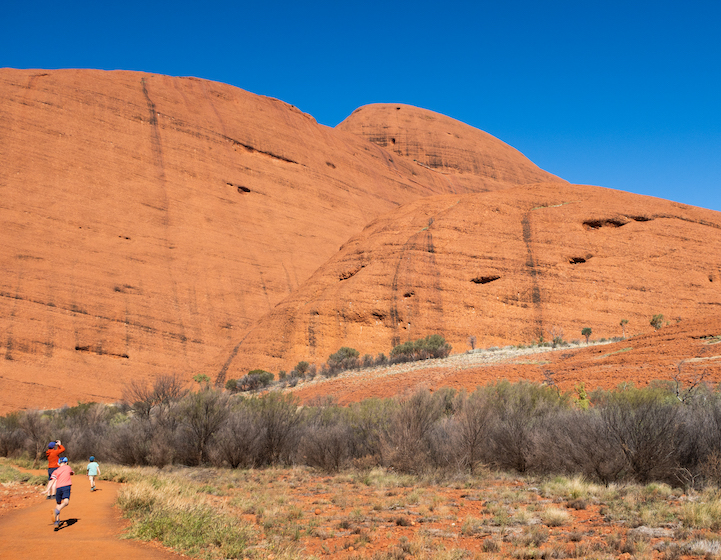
x=256, y=379
x=344, y=359
x=657, y=321
x=432, y=346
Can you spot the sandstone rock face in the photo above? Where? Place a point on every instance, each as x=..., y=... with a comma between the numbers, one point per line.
x=459, y=152
x=148, y=222
x=507, y=267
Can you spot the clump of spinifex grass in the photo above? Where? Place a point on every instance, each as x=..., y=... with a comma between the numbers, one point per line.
x=9, y=474
x=178, y=516
x=574, y=488
x=704, y=513
x=555, y=517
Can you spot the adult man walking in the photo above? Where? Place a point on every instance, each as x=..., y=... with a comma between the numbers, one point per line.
x=53, y=452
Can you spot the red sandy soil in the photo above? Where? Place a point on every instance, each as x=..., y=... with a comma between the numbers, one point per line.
x=341, y=512
x=92, y=526
x=343, y=517
x=689, y=351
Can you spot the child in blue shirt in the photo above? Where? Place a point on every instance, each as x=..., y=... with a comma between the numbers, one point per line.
x=93, y=470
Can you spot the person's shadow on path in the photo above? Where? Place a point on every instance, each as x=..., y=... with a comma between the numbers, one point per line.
x=66, y=523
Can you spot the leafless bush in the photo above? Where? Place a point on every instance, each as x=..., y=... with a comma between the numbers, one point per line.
x=370, y=420
x=200, y=416
x=278, y=419
x=518, y=411
x=407, y=445
x=473, y=423
x=580, y=442
x=145, y=399
x=130, y=443
x=84, y=428
x=11, y=435
x=445, y=450
x=646, y=430
x=325, y=440
x=36, y=428
x=238, y=440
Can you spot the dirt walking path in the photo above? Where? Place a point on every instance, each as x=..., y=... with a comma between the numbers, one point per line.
x=90, y=528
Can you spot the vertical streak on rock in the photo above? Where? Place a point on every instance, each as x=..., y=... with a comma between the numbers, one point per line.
x=312, y=339
x=432, y=272
x=393, y=315
x=220, y=378
x=426, y=267
x=155, y=138
x=157, y=151
x=533, y=272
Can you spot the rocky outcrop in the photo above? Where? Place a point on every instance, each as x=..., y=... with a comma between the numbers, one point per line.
x=148, y=222
x=507, y=267
x=460, y=152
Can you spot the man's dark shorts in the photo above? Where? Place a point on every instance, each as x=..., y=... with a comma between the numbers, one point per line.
x=62, y=493
x=51, y=471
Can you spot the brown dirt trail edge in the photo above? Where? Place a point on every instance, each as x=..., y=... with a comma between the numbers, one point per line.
x=90, y=528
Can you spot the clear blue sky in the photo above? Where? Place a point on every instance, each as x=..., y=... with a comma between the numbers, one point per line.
x=619, y=94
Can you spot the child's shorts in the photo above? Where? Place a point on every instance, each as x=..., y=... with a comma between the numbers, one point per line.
x=51, y=471
x=62, y=493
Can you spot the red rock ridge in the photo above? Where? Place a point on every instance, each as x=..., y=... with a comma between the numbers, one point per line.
x=507, y=267
x=147, y=222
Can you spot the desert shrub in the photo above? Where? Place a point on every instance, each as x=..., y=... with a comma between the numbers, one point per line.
x=369, y=421
x=368, y=361
x=326, y=436
x=232, y=385
x=84, y=428
x=278, y=418
x=517, y=425
x=407, y=441
x=11, y=435
x=344, y=359
x=256, y=379
x=432, y=346
x=37, y=431
x=381, y=359
x=473, y=423
x=200, y=416
x=130, y=442
x=155, y=399
x=657, y=321
x=238, y=440
x=556, y=336
x=645, y=425
x=579, y=441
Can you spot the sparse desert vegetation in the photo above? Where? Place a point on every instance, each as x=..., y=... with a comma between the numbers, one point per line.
x=378, y=514
x=509, y=470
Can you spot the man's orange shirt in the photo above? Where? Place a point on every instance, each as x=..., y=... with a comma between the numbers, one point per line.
x=53, y=455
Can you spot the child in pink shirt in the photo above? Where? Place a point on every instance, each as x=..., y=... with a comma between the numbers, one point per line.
x=62, y=488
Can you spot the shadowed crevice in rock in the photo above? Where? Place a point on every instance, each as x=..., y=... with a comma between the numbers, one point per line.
x=485, y=279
